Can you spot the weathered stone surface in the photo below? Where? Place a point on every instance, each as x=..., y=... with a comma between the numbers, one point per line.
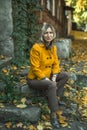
x=27, y=90
x=24, y=72
x=2, y=127
x=5, y=62
x=73, y=76
x=24, y=89
x=7, y=47
x=6, y=28
x=64, y=48
x=31, y=114
x=81, y=80
x=2, y=86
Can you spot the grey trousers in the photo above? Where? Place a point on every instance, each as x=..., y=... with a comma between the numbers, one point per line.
x=53, y=89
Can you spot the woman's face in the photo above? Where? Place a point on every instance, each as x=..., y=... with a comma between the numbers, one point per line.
x=48, y=35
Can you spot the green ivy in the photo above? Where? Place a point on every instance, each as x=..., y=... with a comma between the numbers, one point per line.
x=9, y=80
x=25, y=28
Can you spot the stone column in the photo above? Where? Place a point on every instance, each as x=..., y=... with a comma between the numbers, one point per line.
x=6, y=28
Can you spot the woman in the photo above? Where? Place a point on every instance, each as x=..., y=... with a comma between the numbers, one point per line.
x=44, y=73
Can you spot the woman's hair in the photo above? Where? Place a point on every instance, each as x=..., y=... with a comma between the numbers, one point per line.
x=44, y=28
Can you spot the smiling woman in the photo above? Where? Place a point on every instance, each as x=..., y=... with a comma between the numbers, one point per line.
x=44, y=73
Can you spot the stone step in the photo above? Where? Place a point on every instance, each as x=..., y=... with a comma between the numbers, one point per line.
x=12, y=113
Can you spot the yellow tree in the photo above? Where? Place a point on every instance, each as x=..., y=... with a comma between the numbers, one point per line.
x=80, y=11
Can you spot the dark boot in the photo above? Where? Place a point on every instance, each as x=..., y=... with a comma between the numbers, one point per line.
x=54, y=122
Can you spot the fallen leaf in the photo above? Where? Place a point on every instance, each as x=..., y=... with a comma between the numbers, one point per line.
x=14, y=68
x=40, y=127
x=21, y=105
x=2, y=105
x=23, y=81
x=2, y=57
x=23, y=100
x=31, y=127
x=8, y=124
x=64, y=124
x=59, y=112
x=5, y=70
x=20, y=124
x=1, y=126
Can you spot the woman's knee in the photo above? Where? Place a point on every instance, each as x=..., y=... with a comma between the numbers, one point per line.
x=65, y=75
x=52, y=85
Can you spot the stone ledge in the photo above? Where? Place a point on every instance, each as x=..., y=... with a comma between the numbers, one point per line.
x=9, y=113
x=26, y=90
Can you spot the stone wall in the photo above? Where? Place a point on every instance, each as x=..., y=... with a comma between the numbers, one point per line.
x=6, y=28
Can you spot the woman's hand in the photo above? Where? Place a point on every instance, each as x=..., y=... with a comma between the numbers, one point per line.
x=54, y=77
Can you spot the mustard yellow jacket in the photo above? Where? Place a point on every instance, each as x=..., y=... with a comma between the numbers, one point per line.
x=44, y=62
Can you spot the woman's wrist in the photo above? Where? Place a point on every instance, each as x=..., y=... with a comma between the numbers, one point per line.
x=45, y=78
x=54, y=77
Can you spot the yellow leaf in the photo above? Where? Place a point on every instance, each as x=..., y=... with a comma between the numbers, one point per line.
x=40, y=104
x=23, y=81
x=40, y=127
x=84, y=98
x=47, y=117
x=21, y=105
x=24, y=127
x=85, y=71
x=66, y=94
x=2, y=57
x=59, y=112
x=62, y=118
x=20, y=124
x=15, y=101
x=44, y=117
x=1, y=126
x=23, y=100
x=14, y=67
x=5, y=70
x=22, y=67
x=8, y=124
x=31, y=127
x=84, y=88
x=47, y=124
x=2, y=105
x=72, y=81
x=64, y=124
x=72, y=69
x=61, y=121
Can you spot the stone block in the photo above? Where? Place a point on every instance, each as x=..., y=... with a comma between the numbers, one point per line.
x=63, y=48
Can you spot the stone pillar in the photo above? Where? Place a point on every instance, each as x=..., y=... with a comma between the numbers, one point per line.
x=6, y=28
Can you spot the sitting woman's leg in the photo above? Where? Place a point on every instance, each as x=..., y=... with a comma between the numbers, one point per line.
x=50, y=88
x=61, y=80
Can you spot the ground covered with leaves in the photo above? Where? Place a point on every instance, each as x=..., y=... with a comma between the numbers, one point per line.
x=75, y=97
